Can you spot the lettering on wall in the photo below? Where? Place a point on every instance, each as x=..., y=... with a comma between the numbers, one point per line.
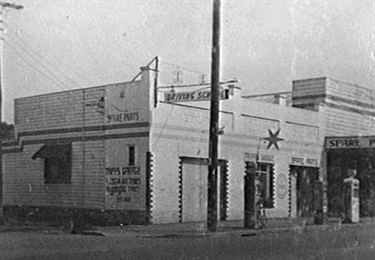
x=350, y=142
x=270, y=158
x=267, y=158
x=123, y=183
x=197, y=95
x=312, y=162
x=298, y=161
x=301, y=161
x=123, y=117
x=251, y=157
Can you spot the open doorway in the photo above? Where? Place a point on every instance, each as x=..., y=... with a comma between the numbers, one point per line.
x=304, y=177
x=338, y=162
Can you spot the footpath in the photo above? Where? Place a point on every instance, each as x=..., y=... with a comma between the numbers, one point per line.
x=227, y=228
x=224, y=228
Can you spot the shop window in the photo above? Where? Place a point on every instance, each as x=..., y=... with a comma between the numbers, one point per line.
x=131, y=154
x=57, y=162
x=266, y=176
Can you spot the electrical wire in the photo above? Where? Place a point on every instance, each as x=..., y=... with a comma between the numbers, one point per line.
x=177, y=66
x=46, y=68
x=13, y=31
x=33, y=52
x=57, y=82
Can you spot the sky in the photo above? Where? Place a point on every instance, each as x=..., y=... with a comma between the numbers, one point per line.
x=52, y=46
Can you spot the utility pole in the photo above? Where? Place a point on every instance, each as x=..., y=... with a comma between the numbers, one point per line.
x=3, y=6
x=214, y=122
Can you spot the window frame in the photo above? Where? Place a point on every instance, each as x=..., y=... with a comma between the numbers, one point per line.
x=266, y=175
x=57, y=162
x=132, y=155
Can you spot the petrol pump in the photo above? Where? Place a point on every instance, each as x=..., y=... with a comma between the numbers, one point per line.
x=252, y=196
x=351, y=197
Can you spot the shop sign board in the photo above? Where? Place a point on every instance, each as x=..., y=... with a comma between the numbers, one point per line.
x=123, y=187
x=197, y=95
x=302, y=161
x=350, y=142
x=263, y=158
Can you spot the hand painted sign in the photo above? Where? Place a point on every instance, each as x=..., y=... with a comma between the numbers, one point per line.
x=197, y=95
x=350, y=142
x=123, y=185
x=301, y=161
x=123, y=117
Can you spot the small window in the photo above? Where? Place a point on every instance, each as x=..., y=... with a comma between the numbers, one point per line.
x=266, y=176
x=57, y=170
x=57, y=162
x=131, y=154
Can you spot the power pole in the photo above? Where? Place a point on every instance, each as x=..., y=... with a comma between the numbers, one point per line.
x=214, y=122
x=3, y=5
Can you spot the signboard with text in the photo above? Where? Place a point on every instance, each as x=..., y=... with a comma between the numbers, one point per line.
x=125, y=104
x=350, y=142
x=123, y=186
x=302, y=161
x=197, y=95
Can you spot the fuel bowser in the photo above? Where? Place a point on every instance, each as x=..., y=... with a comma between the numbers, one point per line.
x=252, y=196
x=351, y=197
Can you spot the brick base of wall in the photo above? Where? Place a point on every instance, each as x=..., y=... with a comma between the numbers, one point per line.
x=84, y=218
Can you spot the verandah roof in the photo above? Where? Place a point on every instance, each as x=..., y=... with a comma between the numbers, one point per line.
x=53, y=151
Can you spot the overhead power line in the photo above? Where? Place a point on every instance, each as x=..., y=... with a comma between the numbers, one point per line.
x=51, y=77
x=16, y=36
x=37, y=57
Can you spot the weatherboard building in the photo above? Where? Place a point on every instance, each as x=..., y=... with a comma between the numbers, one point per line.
x=136, y=152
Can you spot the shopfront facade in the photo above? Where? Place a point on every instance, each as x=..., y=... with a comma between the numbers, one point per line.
x=349, y=128
x=343, y=154
x=121, y=154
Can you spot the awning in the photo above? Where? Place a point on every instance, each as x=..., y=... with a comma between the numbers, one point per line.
x=53, y=151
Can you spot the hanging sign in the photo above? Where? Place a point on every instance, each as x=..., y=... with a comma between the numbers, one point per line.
x=197, y=95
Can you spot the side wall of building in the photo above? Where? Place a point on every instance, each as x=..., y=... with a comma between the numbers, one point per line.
x=107, y=129
x=57, y=118
x=350, y=109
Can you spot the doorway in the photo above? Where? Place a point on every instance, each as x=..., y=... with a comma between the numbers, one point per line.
x=305, y=178
x=338, y=162
x=193, y=190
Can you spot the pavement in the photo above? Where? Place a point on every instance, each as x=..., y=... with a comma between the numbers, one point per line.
x=224, y=228
x=228, y=228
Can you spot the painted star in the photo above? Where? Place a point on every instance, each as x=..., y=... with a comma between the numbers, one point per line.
x=273, y=139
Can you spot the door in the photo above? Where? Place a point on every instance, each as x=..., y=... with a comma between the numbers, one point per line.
x=306, y=177
x=194, y=177
x=194, y=193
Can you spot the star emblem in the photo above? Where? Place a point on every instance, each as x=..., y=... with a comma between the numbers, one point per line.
x=273, y=139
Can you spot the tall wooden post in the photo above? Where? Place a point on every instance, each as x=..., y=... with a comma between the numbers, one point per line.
x=214, y=122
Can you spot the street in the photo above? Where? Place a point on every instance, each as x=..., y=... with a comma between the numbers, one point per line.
x=346, y=242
